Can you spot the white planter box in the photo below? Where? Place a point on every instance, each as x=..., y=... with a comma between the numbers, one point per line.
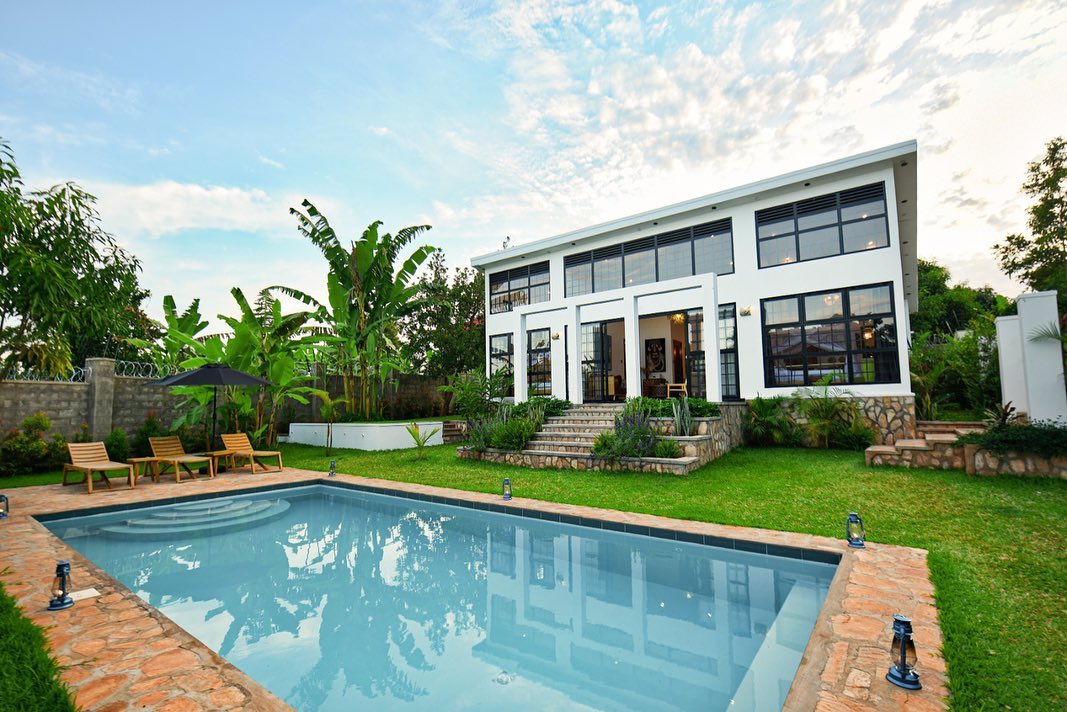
x=363, y=436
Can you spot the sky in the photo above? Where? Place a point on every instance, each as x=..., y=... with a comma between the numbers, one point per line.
x=199, y=124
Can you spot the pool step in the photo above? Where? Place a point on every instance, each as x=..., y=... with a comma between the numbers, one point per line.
x=198, y=519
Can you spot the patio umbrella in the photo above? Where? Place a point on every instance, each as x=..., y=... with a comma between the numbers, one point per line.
x=212, y=374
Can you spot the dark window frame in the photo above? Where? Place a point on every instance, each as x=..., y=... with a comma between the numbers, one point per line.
x=509, y=354
x=845, y=319
x=545, y=373
x=794, y=212
x=527, y=273
x=646, y=244
x=729, y=356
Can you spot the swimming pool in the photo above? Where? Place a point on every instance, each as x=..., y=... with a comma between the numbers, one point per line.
x=335, y=599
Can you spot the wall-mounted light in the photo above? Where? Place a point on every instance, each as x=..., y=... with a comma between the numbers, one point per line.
x=505, y=489
x=902, y=653
x=855, y=532
x=5, y=506
x=555, y=336
x=60, y=587
x=746, y=311
x=678, y=318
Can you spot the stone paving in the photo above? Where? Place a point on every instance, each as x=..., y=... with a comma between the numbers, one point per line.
x=118, y=653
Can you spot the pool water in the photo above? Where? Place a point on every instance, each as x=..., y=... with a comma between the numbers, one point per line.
x=337, y=599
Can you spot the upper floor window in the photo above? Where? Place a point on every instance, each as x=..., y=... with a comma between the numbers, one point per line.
x=848, y=334
x=852, y=220
x=519, y=286
x=701, y=249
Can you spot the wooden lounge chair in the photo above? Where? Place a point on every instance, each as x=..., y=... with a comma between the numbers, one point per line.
x=239, y=444
x=171, y=455
x=92, y=459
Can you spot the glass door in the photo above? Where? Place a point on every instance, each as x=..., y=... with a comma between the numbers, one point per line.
x=596, y=362
x=696, y=373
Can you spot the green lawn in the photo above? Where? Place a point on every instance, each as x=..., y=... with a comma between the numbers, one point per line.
x=29, y=678
x=997, y=554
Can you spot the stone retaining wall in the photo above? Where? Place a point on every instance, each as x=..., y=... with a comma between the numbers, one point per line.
x=577, y=461
x=892, y=417
x=980, y=461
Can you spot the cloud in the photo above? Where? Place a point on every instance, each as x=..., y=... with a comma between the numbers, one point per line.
x=270, y=162
x=105, y=92
x=380, y=130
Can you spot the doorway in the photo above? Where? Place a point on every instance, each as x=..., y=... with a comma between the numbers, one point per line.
x=603, y=357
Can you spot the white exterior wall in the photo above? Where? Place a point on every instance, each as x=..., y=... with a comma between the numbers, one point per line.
x=745, y=287
x=1031, y=372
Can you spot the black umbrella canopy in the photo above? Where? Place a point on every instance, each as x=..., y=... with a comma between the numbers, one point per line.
x=212, y=374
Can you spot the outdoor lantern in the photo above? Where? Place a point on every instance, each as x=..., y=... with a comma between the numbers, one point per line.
x=333, y=470
x=902, y=673
x=507, y=488
x=854, y=531
x=60, y=586
x=5, y=506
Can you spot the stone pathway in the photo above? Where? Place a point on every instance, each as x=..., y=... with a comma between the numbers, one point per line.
x=119, y=653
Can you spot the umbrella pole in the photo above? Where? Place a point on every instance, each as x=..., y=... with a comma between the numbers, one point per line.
x=214, y=404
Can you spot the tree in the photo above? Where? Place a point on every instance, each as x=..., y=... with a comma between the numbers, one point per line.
x=66, y=286
x=948, y=310
x=367, y=296
x=1040, y=259
x=446, y=334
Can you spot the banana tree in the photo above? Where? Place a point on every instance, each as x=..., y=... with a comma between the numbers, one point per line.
x=171, y=350
x=366, y=294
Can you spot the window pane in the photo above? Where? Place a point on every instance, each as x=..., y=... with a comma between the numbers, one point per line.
x=727, y=328
x=500, y=303
x=819, y=243
x=519, y=282
x=579, y=279
x=863, y=210
x=498, y=284
x=607, y=273
x=539, y=293
x=865, y=235
x=778, y=251
x=781, y=311
x=640, y=267
x=715, y=253
x=826, y=216
x=874, y=334
x=539, y=278
x=823, y=306
x=776, y=229
x=784, y=341
x=826, y=349
x=785, y=372
x=869, y=300
x=675, y=260
x=696, y=329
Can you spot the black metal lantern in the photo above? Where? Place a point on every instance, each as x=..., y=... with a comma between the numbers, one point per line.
x=902, y=673
x=60, y=586
x=854, y=531
x=5, y=506
x=333, y=470
x=506, y=489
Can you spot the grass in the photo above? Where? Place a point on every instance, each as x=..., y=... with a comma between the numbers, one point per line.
x=996, y=547
x=29, y=677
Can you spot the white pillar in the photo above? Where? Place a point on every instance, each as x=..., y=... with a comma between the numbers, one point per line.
x=574, y=350
x=1012, y=369
x=1042, y=358
x=522, y=360
x=709, y=300
x=632, y=336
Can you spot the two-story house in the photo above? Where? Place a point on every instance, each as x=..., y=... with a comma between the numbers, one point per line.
x=758, y=289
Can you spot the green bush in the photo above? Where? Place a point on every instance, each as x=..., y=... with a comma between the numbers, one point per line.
x=637, y=437
x=118, y=445
x=1044, y=438
x=474, y=395
x=553, y=407
x=667, y=449
x=480, y=434
x=855, y=436
x=606, y=445
x=24, y=450
x=151, y=428
x=513, y=434
x=683, y=417
x=664, y=407
x=768, y=423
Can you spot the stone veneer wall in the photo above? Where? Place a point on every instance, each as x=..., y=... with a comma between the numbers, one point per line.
x=982, y=462
x=578, y=461
x=892, y=417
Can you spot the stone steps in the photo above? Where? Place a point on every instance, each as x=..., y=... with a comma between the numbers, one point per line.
x=935, y=447
x=557, y=448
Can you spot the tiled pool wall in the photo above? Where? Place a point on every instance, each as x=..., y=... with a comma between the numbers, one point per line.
x=120, y=653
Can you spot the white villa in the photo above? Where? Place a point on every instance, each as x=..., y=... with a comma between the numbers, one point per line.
x=751, y=291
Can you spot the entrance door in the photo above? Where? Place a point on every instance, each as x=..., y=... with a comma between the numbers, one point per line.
x=696, y=374
x=598, y=383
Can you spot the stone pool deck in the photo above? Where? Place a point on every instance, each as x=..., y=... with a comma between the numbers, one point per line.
x=119, y=653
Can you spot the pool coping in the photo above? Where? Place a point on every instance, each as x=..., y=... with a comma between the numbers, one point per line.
x=111, y=664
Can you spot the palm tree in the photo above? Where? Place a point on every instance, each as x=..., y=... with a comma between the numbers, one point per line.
x=366, y=294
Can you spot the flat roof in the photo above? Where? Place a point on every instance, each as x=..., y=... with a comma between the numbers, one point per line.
x=905, y=191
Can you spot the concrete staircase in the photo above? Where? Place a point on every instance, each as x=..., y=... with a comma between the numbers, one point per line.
x=933, y=447
x=573, y=432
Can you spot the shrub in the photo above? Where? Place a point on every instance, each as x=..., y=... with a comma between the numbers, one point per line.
x=83, y=435
x=855, y=436
x=768, y=423
x=24, y=450
x=513, y=434
x=667, y=449
x=606, y=445
x=683, y=418
x=474, y=395
x=118, y=446
x=637, y=437
x=553, y=407
x=480, y=434
x=1041, y=437
x=664, y=407
x=151, y=428
x=421, y=437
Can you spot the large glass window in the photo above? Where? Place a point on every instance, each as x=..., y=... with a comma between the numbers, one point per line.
x=539, y=363
x=501, y=355
x=847, y=334
x=729, y=382
x=696, y=363
x=701, y=249
x=519, y=286
x=850, y=221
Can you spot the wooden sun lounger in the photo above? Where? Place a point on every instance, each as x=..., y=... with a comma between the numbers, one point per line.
x=171, y=455
x=241, y=447
x=92, y=459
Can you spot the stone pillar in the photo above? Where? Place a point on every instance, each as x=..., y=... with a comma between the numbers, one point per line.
x=101, y=380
